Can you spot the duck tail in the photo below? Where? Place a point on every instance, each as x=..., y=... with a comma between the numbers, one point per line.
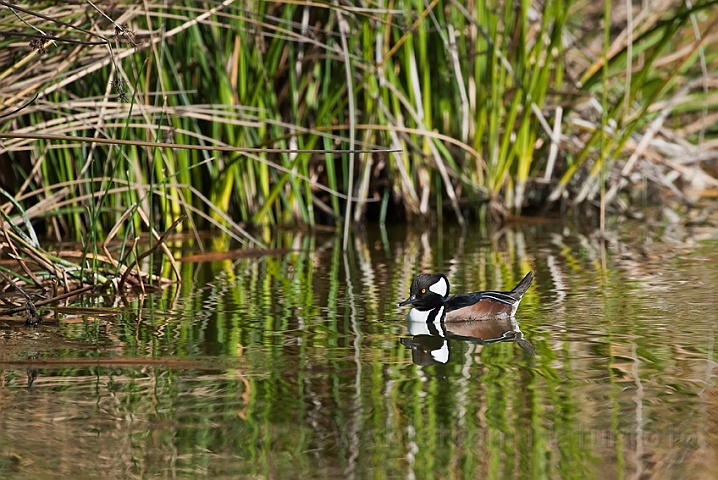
x=523, y=285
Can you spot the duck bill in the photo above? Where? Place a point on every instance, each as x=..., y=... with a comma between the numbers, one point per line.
x=408, y=301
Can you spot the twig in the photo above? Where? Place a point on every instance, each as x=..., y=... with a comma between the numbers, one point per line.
x=112, y=141
x=50, y=19
x=41, y=303
x=149, y=252
x=49, y=37
x=32, y=317
x=18, y=258
x=29, y=102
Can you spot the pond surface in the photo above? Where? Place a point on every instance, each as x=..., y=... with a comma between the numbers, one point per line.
x=302, y=365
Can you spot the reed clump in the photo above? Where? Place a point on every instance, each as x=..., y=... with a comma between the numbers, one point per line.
x=445, y=111
x=32, y=275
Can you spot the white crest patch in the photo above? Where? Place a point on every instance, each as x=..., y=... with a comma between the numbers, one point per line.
x=440, y=287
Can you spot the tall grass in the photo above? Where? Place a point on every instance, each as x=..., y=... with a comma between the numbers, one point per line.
x=505, y=104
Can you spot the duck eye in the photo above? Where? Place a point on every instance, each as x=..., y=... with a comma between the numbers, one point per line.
x=423, y=290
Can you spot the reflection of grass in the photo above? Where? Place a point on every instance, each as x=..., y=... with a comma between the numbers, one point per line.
x=298, y=372
x=311, y=377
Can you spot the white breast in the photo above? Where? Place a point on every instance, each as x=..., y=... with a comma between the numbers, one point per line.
x=421, y=319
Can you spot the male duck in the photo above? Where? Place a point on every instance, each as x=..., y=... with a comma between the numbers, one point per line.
x=430, y=298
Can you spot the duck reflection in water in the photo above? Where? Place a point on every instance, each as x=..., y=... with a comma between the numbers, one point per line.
x=478, y=317
x=430, y=342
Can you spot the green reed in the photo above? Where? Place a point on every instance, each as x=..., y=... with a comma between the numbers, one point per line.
x=467, y=94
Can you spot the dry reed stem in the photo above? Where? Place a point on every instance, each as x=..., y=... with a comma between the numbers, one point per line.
x=57, y=298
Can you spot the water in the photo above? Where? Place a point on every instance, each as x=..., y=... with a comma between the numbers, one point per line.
x=301, y=365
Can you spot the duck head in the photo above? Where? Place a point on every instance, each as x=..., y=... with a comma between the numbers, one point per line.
x=428, y=290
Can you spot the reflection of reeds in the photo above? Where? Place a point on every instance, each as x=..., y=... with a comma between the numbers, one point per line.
x=297, y=356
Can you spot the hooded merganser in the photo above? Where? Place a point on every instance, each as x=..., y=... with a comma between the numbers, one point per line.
x=430, y=298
